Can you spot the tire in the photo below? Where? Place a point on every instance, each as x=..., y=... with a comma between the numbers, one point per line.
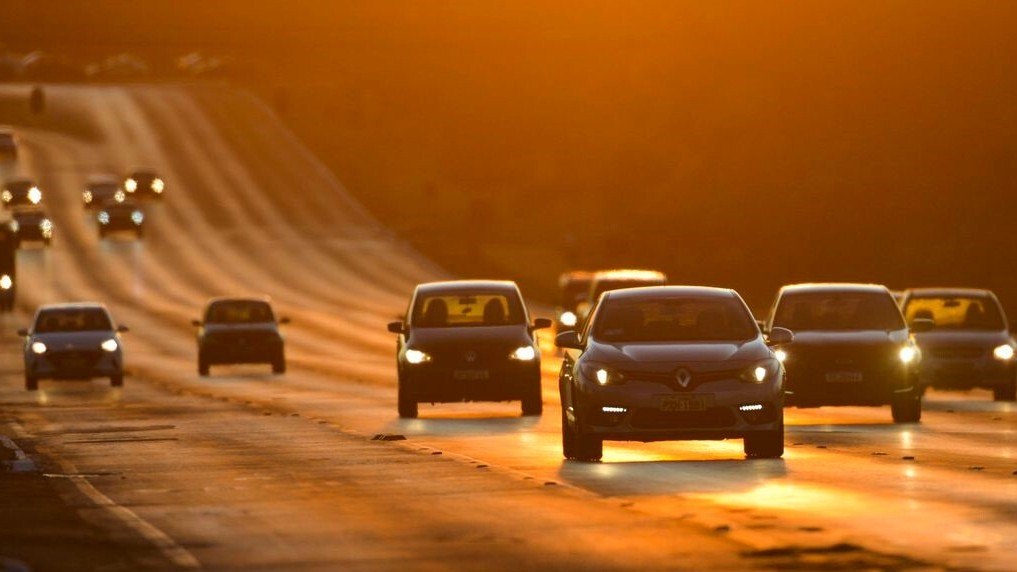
x=31, y=383
x=568, y=437
x=533, y=403
x=407, y=406
x=765, y=444
x=203, y=366
x=1006, y=392
x=48, y=242
x=279, y=366
x=907, y=408
x=585, y=447
x=116, y=380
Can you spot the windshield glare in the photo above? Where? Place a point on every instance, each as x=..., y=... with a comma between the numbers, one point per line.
x=827, y=311
x=448, y=310
x=674, y=320
x=73, y=320
x=957, y=312
x=239, y=312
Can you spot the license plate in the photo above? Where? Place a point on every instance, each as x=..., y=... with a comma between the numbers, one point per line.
x=470, y=374
x=844, y=376
x=683, y=403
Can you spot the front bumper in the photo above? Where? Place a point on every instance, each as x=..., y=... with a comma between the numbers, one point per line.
x=74, y=364
x=867, y=383
x=227, y=352
x=508, y=381
x=966, y=373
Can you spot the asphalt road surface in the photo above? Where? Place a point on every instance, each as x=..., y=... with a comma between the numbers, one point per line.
x=245, y=470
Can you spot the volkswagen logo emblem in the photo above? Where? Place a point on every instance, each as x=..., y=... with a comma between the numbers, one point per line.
x=471, y=356
x=683, y=377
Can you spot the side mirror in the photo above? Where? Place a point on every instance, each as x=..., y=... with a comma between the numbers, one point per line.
x=123, y=329
x=396, y=328
x=780, y=336
x=919, y=325
x=23, y=332
x=284, y=320
x=568, y=339
x=541, y=323
x=196, y=323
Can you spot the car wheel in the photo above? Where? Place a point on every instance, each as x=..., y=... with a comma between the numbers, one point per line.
x=116, y=380
x=203, y=368
x=907, y=408
x=568, y=437
x=279, y=366
x=533, y=403
x=31, y=383
x=765, y=444
x=587, y=447
x=407, y=406
x=1007, y=392
x=102, y=233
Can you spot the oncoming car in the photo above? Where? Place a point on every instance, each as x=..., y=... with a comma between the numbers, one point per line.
x=32, y=225
x=126, y=216
x=468, y=340
x=970, y=344
x=240, y=330
x=73, y=341
x=102, y=190
x=851, y=347
x=20, y=192
x=607, y=280
x=574, y=287
x=144, y=183
x=667, y=363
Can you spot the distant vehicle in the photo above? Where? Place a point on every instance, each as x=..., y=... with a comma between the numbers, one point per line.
x=143, y=184
x=970, y=345
x=20, y=192
x=8, y=145
x=606, y=280
x=126, y=216
x=73, y=341
x=468, y=340
x=32, y=224
x=574, y=287
x=667, y=363
x=240, y=330
x=851, y=347
x=898, y=296
x=102, y=190
x=8, y=268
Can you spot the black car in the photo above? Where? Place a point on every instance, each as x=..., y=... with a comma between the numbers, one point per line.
x=468, y=340
x=668, y=363
x=144, y=184
x=32, y=225
x=574, y=286
x=238, y=331
x=20, y=192
x=126, y=216
x=102, y=190
x=851, y=347
x=969, y=346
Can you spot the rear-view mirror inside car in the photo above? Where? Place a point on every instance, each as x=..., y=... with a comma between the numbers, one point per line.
x=568, y=339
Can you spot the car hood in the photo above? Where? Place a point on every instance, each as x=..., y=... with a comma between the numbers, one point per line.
x=73, y=340
x=849, y=337
x=971, y=338
x=432, y=338
x=241, y=328
x=677, y=352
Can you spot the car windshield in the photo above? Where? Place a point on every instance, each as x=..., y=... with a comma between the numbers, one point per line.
x=621, y=283
x=674, y=320
x=239, y=312
x=574, y=292
x=72, y=320
x=831, y=311
x=450, y=310
x=956, y=312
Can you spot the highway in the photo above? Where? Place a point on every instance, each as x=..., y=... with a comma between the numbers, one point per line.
x=245, y=470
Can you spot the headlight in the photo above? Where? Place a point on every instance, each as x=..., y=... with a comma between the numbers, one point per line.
x=907, y=354
x=15, y=226
x=109, y=345
x=524, y=353
x=103, y=217
x=86, y=196
x=602, y=374
x=7, y=196
x=39, y=347
x=45, y=225
x=781, y=355
x=417, y=356
x=138, y=217
x=131, y=185
x=6, y=282
x=34, y=195
x=158, y=185
x=119, y=197
x=568, y=319
x=1003, y=352
x=762, y=371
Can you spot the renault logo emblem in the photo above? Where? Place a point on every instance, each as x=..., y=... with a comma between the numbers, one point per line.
x=471, y=356
x=683, y=377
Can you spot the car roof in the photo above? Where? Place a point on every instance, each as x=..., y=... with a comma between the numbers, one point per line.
x=947, y=292
x=629, y=274
x=459, y=285
x=573, y=275
x=670, y=292
x=217, y=299
x=833, y=287
x=73, y=306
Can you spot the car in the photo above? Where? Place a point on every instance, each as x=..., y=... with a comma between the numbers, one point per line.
x=970, y=343
x=669, y=363
x=606, y=280
x=8, y=266
x=851, y=347
x=143, y=184
x=20, y=192
x=467, y=340
x=32, y=224
x=8, y=145
x=73, y=341
x=102, y=190
x=574, y=287
x=126, y=216
x=240, y=331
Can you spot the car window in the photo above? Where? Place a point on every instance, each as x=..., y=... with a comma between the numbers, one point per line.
x=467, y=309
x=956, y=312
x=239, y=312
x=72, y=320
x=673, y=320
x=829, y=311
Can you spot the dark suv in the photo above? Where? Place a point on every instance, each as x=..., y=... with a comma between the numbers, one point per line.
x=240, y=330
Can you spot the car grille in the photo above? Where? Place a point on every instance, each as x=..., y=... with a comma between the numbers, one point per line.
x=74, y=359
x=242, y=339
x=471, y=357
x=670, y=379
x=713, y=418
x=957, y=353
